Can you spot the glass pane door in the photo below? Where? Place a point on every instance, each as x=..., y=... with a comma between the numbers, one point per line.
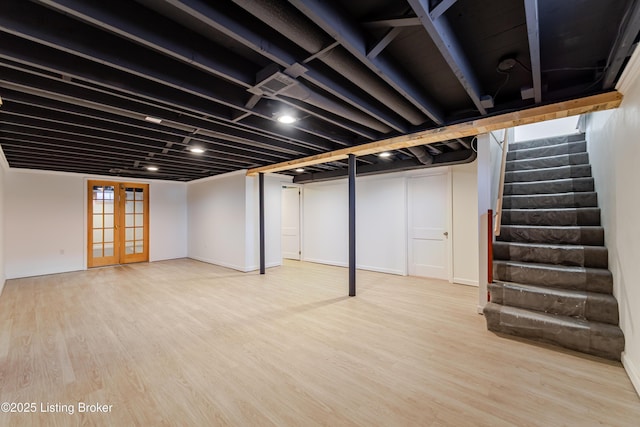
x=118, y=223
x=135, y=235
x=103, y=238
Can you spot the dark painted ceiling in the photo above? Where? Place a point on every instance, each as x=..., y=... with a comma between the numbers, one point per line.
x=78, y=77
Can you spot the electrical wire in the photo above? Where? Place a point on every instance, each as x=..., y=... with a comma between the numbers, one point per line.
x=506, y=80
x=521, y=64
x=474, y=148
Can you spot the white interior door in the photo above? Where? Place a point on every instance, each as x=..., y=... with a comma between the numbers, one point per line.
x=291, y=222
x=428, y=211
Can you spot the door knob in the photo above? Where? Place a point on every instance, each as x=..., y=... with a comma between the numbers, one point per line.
x=445, y=234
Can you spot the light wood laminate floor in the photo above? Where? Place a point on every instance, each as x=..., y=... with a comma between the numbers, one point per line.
x=184, y=343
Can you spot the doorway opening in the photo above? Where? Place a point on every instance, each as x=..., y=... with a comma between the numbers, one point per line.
x=291, y=248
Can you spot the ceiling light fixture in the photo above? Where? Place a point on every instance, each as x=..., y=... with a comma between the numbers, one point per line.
x=196, y=150
x=287, y=119
x=300, y=170
x=153, y=120
x=384, y=154
x=152, y=168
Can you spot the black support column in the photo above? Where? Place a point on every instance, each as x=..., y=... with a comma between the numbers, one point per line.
x=261, y=191
x=352, y=225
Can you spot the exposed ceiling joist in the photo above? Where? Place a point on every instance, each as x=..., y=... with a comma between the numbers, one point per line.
x=235, y=71
x=441, y=8
x=209, y=15
x=384, y=42
x=351, y=39
x=533, y=33
x=447, y=43
x=127, y=76
x=558, y=110
x=399, y=22
x=169, y=41
x=279, y=16
x=104, y=103
x=622, y=48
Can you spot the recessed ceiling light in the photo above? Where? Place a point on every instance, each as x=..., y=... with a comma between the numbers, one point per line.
x=152, y=168
x=197, y=150
x=153, y=120
x=300, y=170
x=287, y=119
x=384, y=154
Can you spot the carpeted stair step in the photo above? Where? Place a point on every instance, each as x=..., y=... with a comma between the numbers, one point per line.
x=560, y=172
x=547, y=151
x=583, y=235
x=544, y=142
x=551, y=281
x=554, y=276
x=546, y=201
x=548, y=162
x=583, y=305
x=557, y=217
x=599, y=339
x=555, y=186
x=571, y=255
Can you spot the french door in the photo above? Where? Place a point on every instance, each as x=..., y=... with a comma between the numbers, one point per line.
x=118, y=223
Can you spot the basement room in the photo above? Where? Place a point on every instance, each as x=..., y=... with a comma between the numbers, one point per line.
x=319, y=213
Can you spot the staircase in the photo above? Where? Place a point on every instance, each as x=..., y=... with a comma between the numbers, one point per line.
x=550, y=269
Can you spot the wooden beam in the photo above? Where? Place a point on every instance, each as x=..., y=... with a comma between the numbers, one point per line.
x=574, y=107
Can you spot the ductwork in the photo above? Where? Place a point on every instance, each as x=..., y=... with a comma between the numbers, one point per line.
x=421, y=154
x=445, y=159
x=311, y=97
x=279, y=16
x=273, y=83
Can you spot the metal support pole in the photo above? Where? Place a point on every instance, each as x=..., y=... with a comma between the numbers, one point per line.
x=352, y=225
x=261, y=191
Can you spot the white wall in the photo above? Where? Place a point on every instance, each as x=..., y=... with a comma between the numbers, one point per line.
x=272, y=219
x=2, y=225
x=465, y=223
x=558, y=127
x=614, y=151
x=223, y=220
x=488, y=183
x=325, y=230
x=167, y=220
x=45, y=222
x=381, y=216
x=217, y=220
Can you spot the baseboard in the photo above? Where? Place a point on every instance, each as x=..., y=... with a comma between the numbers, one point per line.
x=2, y=286
x=633, y=371
x=267, y=265
x=466, y=282
x=380, y=270
x=480, y=309
x=220, y=263
x=324, y=261
x=358, y=267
